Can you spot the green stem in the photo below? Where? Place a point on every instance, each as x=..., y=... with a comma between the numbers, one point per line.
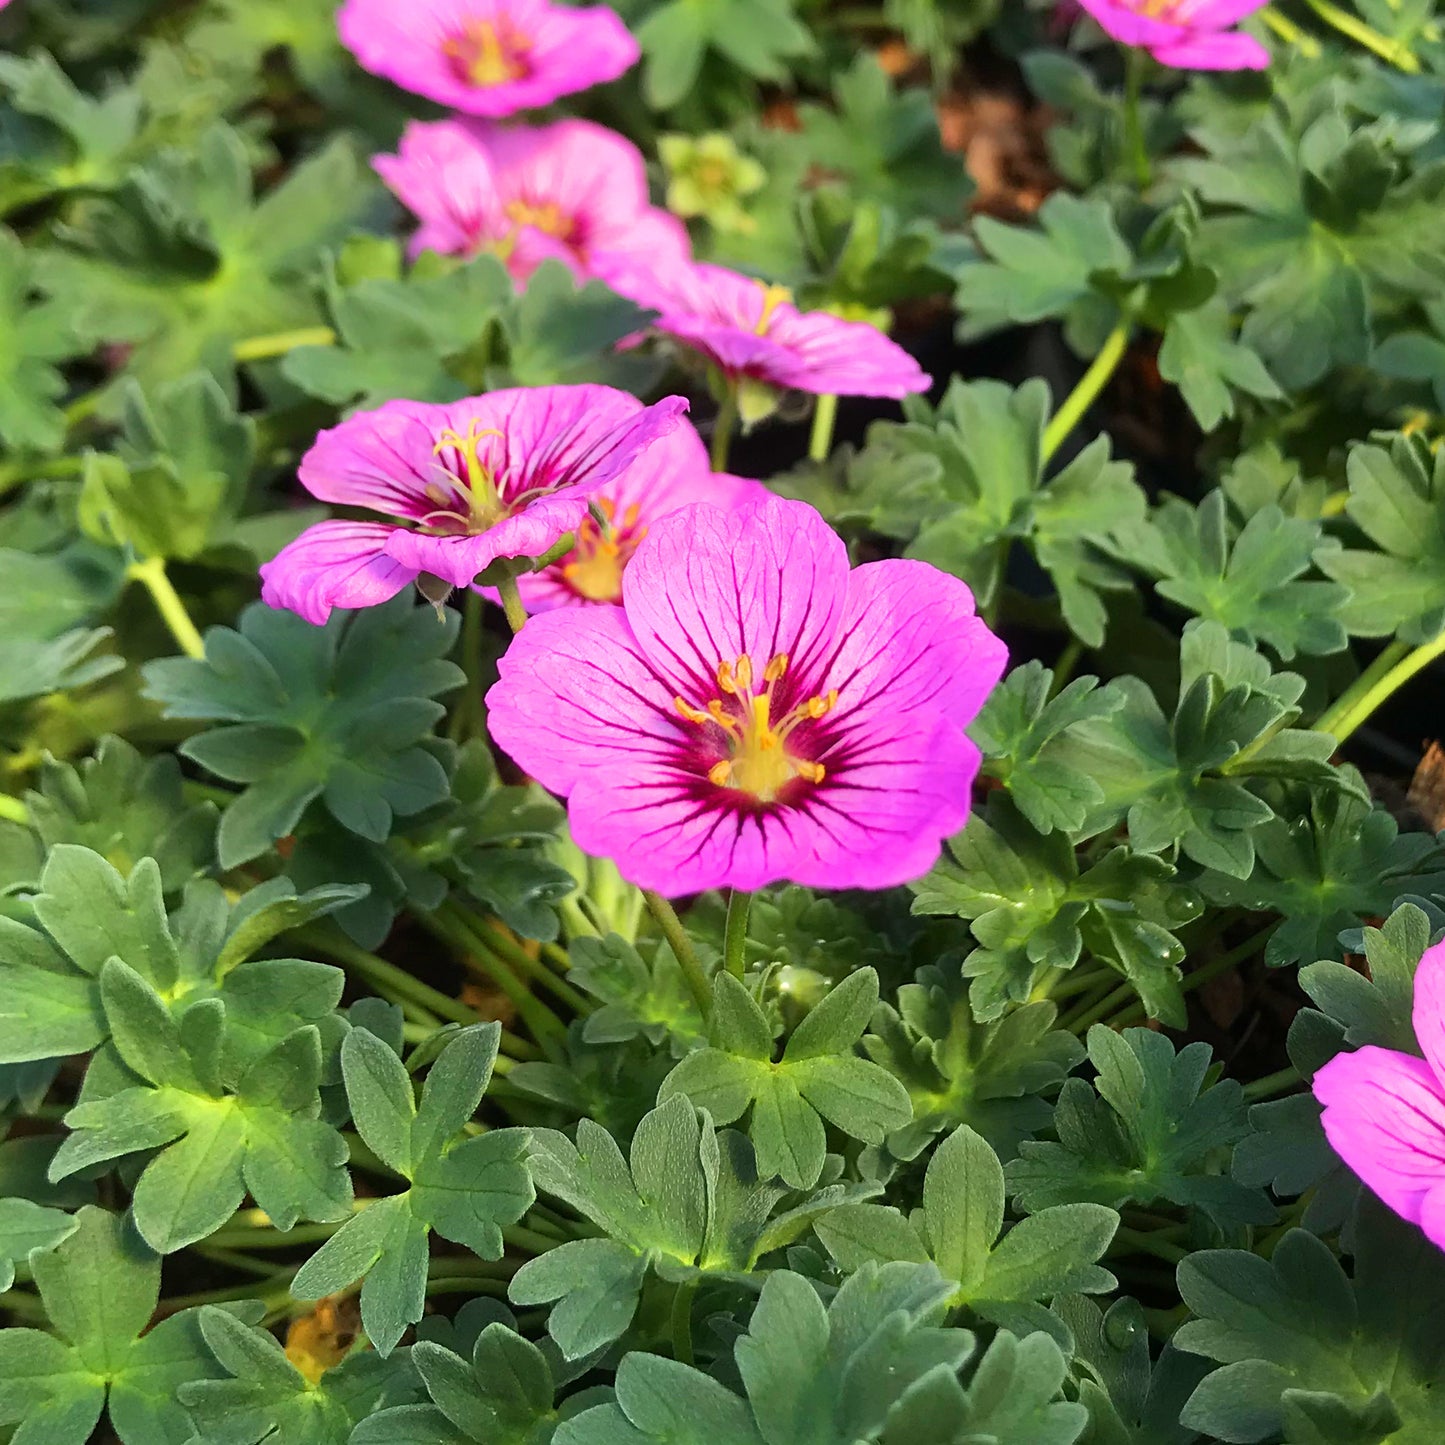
x=1394, y=667
x=234, y=1259
x=1352, y=26
x=468, y=711
x=473, y=1284
x=682, y=1320
x=386, y=978
x=682, y=949
x=825, y=417
x=1081, y=1022
x=1064, y=667
x=520, y=1237
x=452, y=926
x=735, y=936
x=1134, y=62
x=517, y=957
x=1329, y=720
x=263, y=348
x=1144, y=1243
x=1086, y=981
x=151, y=574
x=1291, y=34
x=1198, y=977
x=512, y=604
x=722, y=428
x=13, y=810
x=1271, y=1084
x=1087, y=391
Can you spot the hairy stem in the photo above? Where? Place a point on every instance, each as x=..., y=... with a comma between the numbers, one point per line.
x=735, y=937
x=1352, y=26
x=512, y=604
x=263, y=348
x=151, y=574
x=722, y=428
x=1083, y=396
x=1134, y=63
x=672, y=930
x=825, y=418
x=1389, y=672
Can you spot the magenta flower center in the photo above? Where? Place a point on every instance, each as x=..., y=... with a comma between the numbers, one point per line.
x=593, y=569
x=488, y=54
x=759, y=761
x=470, y=483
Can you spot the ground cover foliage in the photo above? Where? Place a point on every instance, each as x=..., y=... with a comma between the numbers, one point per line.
x=343, y=1098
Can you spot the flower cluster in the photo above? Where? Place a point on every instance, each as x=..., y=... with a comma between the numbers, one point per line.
x=508, y=474
x=578, y=193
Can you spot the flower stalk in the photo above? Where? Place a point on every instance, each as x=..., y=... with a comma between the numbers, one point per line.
x=1084, y=395
x=151, y=574
x=735, y=936
x=1389, y=672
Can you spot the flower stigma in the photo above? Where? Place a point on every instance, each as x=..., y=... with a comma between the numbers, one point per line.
x=773, y=297
x=488, y=54
x=484, y=503
x=759, y=761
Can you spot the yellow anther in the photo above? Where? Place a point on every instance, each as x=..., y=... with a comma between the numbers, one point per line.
x=759, y=760
x=483, y=500
x=691, y=714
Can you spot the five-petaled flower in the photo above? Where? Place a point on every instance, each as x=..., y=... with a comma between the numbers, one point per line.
x=755, y=710
x=508, y=474
x=672, y=473
x=1184, y=34
x=1384, y=1111
x=752, y=332
x=487, y=57
x=571, y=190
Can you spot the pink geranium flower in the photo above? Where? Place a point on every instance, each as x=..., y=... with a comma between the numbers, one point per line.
x=487, y=57
x=672, y=473
x=572, y=190
x=508, y=474
x=750, y=330
x=1185, y=34
x=755, y=710
x=1384, y=1111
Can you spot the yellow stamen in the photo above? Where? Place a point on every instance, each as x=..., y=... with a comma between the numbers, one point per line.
x=484, y=502
x=486, y=54
x=773, y=297
x=759, y=761
x=549, y=218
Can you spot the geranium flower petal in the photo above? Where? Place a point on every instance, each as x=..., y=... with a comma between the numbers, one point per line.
x=334, y=564
x=708, y=587
x=1208, y=50
x=577, y=696
x=384, y=460
x=559, y=49
x=1429, y=1009
x=457, y=560
x=1384, y=1115
x=911, y=639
